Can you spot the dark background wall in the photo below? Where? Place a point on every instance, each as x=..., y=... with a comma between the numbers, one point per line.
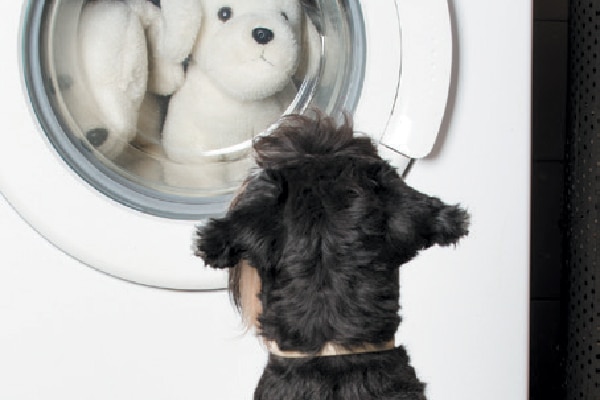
x=549, y=126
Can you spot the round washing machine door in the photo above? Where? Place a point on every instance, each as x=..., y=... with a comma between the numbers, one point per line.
x=130, y=122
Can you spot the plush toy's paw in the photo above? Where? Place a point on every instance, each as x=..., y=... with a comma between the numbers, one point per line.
x=206, y=176
x=165, y=77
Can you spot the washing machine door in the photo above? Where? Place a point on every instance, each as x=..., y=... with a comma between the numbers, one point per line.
x=126, y=130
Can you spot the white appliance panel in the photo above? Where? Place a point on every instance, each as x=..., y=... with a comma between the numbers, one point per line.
x=69, y=332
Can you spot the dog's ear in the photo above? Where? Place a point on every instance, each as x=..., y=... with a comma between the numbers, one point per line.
x=216, y=243
x=418, y=221
x=245, y=229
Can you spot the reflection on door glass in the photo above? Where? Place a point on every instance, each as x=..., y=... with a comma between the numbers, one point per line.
x=162, y=99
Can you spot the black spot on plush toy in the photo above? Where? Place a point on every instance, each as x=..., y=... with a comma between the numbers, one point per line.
x=314, y=241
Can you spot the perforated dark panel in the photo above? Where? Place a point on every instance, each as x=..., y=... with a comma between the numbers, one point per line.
x=583, y=198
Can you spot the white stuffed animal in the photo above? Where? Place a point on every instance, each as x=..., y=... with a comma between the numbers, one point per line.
x=239, y=81
x=130, y=50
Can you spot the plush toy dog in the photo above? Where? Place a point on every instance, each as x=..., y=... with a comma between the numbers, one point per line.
x=129, y=51
x=239, y=80
x=314, y=241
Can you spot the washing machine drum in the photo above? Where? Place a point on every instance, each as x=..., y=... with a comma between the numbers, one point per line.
x=143, y=112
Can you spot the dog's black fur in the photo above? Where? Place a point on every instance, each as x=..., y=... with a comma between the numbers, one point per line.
x=326, y=223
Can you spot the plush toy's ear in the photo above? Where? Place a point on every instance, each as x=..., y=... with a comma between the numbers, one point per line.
x=248, y=229
x=171, y=36
x=418, y=221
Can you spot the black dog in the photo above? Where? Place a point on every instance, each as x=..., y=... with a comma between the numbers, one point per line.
x=314, y=240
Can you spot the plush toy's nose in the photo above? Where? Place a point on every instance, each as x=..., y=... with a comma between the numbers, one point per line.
x=262, y=35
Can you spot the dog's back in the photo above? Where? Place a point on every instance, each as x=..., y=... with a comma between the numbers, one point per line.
x=325, y=224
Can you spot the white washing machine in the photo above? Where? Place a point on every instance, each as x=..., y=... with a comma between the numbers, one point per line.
x=148, y=321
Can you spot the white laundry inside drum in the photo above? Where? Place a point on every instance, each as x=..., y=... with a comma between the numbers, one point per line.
x=162, y=132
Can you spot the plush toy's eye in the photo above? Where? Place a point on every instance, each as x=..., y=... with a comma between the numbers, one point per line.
x=225, y=13
x=285, y=16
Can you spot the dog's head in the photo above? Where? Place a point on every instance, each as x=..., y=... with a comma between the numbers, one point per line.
x=250, y=48
x=325, y=222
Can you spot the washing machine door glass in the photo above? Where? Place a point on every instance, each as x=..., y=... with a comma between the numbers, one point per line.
x=156, y=104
